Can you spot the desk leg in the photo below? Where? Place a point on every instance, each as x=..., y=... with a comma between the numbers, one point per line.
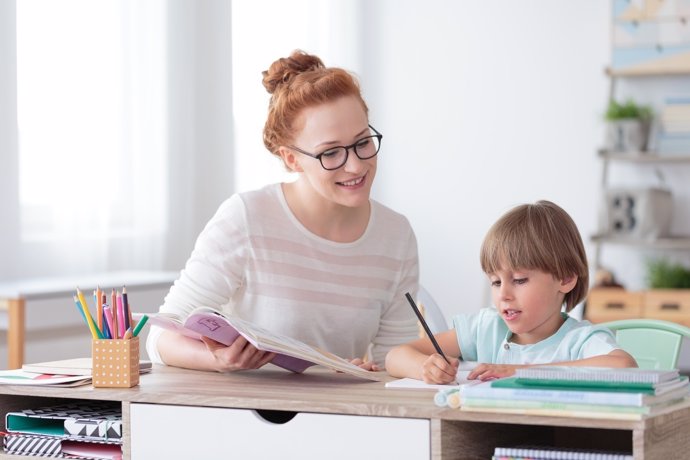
x=15, y=333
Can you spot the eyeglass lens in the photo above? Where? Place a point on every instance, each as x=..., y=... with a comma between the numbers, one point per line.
x=364, y=149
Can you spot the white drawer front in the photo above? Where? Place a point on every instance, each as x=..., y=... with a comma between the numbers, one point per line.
x=180, y=432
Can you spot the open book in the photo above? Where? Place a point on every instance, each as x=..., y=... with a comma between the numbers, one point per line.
x=291, y=354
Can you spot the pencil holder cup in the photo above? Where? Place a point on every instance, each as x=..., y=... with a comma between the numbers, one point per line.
x=115, y=363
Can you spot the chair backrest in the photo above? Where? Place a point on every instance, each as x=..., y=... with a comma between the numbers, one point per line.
x=655, y=344
x=432, y=313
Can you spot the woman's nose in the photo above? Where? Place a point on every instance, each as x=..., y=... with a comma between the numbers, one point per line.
x=353, y=163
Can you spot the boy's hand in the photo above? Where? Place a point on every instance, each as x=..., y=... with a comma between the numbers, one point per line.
x=436, y=370
x=492, y=371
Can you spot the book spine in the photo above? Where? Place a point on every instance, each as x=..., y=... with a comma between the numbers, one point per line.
x=556, y=413
x=526, y=404
x=579, y=397
x=580, y=375
x=536, y=452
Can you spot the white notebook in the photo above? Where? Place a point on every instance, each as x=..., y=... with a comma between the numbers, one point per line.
x=460, y=380
x=597, y=374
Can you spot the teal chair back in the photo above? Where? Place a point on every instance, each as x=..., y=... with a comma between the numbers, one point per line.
x=655, y=344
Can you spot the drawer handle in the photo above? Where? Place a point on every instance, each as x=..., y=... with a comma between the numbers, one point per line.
x=277, y=417
x=615, y=305
x=670, y=306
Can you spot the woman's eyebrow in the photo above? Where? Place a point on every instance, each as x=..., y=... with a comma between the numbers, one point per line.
x=323, y=144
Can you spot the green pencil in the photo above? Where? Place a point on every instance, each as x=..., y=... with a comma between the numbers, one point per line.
x=139, y=325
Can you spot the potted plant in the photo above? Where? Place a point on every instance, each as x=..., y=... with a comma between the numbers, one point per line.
x=628, y=126
x=669, y=296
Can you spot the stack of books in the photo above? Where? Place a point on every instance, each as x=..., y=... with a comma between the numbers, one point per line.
x=86, y=430
x=588, y=392
x=674, y=135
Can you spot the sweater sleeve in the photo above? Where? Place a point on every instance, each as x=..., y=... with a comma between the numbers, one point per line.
x=398, y=323
x=214, y=271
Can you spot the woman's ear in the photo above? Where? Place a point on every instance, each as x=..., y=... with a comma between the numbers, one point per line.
x=290, y=159
x=568, y=284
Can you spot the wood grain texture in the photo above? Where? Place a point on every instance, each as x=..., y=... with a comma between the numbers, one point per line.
x=16, y=315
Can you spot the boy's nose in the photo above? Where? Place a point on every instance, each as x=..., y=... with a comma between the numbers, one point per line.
x=506, y=291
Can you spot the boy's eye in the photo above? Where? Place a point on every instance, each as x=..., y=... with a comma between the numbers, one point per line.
x=496, y=283
x=520, y=280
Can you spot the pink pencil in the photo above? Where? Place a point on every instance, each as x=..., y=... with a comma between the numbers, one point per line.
x=109, y=319
x=120, y=315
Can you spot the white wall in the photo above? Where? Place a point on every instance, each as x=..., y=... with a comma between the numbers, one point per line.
x=483, y=106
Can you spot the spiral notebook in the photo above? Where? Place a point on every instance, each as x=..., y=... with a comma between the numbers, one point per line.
x=596, y=374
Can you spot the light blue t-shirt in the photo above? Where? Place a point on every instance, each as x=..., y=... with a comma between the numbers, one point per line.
x=484, y=337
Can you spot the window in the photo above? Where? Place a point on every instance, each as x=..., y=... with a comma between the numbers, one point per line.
x=91, y=108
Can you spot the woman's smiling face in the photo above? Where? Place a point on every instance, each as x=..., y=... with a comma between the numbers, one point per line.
x=338, y=123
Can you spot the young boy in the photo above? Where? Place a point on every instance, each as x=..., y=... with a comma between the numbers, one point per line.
x=536, y=263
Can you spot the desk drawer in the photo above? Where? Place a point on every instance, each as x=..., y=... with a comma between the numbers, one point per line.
x=668, y=304
x=181, y=432
x=613, y=304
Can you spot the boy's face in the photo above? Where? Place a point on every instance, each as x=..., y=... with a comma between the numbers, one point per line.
x=529, y=301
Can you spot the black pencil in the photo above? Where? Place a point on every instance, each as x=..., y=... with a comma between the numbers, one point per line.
x=425, y=326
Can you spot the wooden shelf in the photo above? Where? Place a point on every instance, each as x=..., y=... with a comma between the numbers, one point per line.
x=643, y=157
x=676, y=242
x=649, y=72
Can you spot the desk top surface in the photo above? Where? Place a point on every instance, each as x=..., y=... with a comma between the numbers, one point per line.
x=317, y=390
x=58, y=285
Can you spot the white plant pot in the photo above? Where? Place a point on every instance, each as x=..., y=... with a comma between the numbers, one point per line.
x=628, y=135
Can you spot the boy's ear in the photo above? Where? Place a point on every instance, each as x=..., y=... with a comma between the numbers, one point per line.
x=568, y=284
x=290, y=159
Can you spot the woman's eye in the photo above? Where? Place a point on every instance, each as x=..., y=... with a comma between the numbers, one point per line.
x=363, y=143
x=330, y=153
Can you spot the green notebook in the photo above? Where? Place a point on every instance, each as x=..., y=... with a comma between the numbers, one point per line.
x=584, y=385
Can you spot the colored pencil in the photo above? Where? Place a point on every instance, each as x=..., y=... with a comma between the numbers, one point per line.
x=425, y=326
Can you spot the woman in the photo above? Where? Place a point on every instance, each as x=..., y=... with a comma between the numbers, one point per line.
x=314, y=259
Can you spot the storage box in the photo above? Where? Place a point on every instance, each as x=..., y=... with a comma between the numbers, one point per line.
x=610, y=304
x=115, y=363
x=668, y=304
x=637, y=213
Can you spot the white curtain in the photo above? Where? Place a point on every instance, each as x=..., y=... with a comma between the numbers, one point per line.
x=92, y=123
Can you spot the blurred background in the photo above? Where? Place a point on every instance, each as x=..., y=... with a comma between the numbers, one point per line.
x=124, y=124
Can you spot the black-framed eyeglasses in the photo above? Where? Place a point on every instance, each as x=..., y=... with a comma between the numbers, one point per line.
x=336, y=157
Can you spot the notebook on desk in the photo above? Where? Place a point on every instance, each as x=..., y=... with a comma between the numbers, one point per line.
x=75, y=366
x=460, y=380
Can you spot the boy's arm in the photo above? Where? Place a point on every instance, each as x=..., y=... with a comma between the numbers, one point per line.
x=616, y=358
x=411, y=359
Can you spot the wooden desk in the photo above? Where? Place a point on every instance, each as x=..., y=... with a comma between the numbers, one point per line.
x=450, y=433
x=14, y=296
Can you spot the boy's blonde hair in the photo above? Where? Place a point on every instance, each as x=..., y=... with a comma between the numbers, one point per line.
x=539, y=236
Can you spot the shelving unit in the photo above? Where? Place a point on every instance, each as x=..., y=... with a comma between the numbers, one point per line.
x=640, y=158
x=650, y=62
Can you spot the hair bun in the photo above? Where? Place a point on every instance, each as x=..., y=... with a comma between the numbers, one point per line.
x=285, y=69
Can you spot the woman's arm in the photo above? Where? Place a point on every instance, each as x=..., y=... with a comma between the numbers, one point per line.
x=209, y=355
